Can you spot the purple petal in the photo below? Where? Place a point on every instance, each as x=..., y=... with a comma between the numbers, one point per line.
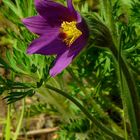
x=38, y=25
x=55, y=47
x=53, y=12
x=73, y=11
x=83, y=27
x=62, y=61
x=43, y=41
x=82, y=40
x=78, y=45
x=70, y=5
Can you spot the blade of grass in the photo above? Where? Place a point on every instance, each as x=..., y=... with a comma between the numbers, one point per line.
x=30, y=7
x=8, y=124
x=20, y=121
x=19, y=8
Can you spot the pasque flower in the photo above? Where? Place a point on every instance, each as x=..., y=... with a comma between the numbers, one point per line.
x=62, y=32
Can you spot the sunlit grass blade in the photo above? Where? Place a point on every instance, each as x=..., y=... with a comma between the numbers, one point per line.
x=19, y=8
x=20, y=121
x=30, y=7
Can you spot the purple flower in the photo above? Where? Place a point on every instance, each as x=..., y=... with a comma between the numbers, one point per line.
x=62, y=31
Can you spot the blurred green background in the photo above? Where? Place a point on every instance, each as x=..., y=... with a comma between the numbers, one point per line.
x=32, y=111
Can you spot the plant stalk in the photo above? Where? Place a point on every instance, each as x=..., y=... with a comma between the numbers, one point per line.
x=93, y=119
x=132, y=88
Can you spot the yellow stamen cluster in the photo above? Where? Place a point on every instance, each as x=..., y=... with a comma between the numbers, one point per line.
x=71, y=31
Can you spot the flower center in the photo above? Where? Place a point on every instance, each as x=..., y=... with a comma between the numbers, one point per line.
x=70, y=31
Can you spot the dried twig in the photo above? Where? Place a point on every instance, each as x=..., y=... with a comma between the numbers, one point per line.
x=37, y=132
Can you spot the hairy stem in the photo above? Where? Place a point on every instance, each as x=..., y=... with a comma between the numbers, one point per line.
x=83, y=109
x=134, y=97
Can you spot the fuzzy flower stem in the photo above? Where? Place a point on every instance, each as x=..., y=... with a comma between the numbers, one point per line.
x=83, y=109
x=132, y=96
x=131, y=86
